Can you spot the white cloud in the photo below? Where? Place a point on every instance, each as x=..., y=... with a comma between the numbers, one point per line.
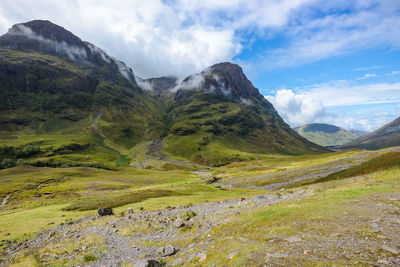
x=195, y=81
x=296, y=109
x=150, y=36
x=395, y=72
x=368, y=68
x=373, y=24
x=181, y=37
x=367, y=76
x=346, y=93
x=342, y=103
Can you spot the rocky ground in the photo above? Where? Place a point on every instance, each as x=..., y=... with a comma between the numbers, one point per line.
x=185, y=235
x=130, y=236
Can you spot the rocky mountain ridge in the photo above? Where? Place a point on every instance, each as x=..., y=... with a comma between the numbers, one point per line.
x=62, y=81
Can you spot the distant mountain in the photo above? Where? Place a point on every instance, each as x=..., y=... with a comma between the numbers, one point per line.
x=325, y=134
x=52, y=82
x=386, y=136
x=358, y=132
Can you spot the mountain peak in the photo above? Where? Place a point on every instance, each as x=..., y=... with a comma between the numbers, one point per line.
x=223, y=78
x=47, y=30
x=45, y=37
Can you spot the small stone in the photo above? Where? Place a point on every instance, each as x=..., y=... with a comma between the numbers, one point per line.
x=179, y=223
x=130, y=210
x=232, y=254
x=51, y=234
x=384, y=261
x=276, y=255
x=147, y=263
x=167, y=251
x=202, y=256
x=293, y=239
x=390, y=249
x=305, y=252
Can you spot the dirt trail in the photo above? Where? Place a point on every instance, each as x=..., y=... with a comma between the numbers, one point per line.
x=154, y=153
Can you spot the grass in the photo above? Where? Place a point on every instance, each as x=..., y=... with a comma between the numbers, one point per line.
x=316, y=218
x=385, y=161
x=117, y=201
x=88, y=258
x=326, y=138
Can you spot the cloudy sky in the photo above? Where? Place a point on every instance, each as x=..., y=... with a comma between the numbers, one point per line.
x=317, y=61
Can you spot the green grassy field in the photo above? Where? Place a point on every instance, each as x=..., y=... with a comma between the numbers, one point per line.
x=338, y=210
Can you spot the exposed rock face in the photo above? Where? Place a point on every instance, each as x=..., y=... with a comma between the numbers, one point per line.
x=105, y=211
x=222, y=78
x=46, y=37
x=162, y=85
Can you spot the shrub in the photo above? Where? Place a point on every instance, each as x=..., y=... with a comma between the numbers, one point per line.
x=189, y=214
x=7, y=163
x=88, y=258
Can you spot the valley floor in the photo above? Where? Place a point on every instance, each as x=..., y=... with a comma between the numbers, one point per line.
x=239, y=220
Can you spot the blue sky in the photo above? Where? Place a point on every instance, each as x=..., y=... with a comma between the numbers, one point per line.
x=316, y=61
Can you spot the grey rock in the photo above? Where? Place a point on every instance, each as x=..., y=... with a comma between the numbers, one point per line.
x=147, y=263
x=277, y=255
x=105, y=211
x=179, y=223
x=167, y=251
x=202, y=256
x=232, y=254
x=391, y=250
x=293, y=239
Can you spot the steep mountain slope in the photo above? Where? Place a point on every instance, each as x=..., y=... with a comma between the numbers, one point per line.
x=386, y=136
x=52, y=83
x=218, y=113
x=76, y=106
x=325, y=134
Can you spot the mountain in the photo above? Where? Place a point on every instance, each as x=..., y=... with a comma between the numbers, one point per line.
x=81, y=106
x=219, y=111
x=386, y=136
x=358, y=132
x=325, y=134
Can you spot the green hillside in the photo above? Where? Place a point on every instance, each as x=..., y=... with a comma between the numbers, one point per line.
x=77, y=106
x=325, y=134
x=386, y=136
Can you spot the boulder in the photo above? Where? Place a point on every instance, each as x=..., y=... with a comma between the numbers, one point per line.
x=167, y=251
x=105, y=211
x=179, y=223
x=147, y=263
x=212, y=180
